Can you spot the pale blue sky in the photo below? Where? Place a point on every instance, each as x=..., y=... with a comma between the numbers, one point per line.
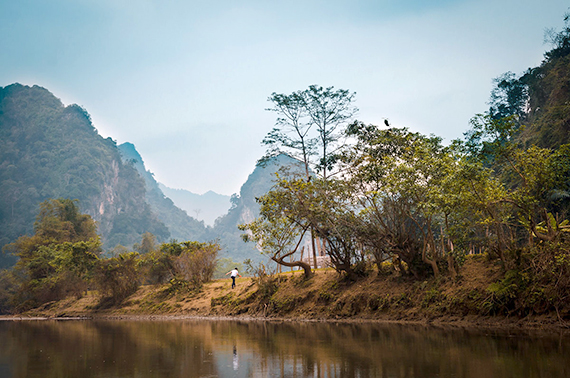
x=187, y=81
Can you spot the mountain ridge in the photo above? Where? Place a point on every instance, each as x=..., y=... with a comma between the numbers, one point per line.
x=207, y=207
x=49, y=150
x=245, y=209
x=181, y=225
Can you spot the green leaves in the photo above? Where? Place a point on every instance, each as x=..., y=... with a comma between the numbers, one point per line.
x=309, y=124
x=491, y=139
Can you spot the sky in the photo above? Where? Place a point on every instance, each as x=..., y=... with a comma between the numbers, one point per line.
x=187, y=81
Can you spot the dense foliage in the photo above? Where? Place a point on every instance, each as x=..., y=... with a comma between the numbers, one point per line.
x=57, y=260
x=64, y=258
x=405, y=198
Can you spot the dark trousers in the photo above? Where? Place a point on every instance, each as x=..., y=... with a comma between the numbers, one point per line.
x=233, y=282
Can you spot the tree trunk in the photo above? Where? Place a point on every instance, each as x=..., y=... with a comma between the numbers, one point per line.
x=432, y=262
x=451, y=261
x=314, y=249
x=430, y=242
x=306, y=267
x=319, y=247
x=450, y=258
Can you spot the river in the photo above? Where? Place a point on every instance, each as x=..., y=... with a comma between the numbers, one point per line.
x=230, y=348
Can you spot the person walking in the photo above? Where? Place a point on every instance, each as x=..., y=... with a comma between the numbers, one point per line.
x=234, y=273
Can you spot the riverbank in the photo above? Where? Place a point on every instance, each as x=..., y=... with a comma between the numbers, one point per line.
x=381, y=296
x=496, y=325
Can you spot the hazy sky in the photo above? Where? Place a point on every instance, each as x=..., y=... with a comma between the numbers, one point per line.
x=187, y=81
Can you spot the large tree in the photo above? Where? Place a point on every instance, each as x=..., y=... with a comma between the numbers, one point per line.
x=408, y=192
x=308, y=127
x=509, y=97
x=283, y=223
x=59, y=258
x=295, y=206
x=329, y=112
x=291, y=132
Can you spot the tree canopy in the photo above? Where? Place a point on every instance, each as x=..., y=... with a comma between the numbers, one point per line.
x=309, y=125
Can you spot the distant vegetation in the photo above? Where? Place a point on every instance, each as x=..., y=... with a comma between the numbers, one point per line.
x=48, y=150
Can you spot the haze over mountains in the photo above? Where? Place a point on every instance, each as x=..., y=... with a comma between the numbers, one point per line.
x=180, y=225
x=206, y=207
x=49, y=150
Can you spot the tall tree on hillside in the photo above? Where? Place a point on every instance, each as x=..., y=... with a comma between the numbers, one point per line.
x=509, y=97
x=329, y=111
x=147, y=244
x=291, y=134
x=560, y=41
x=309, y=124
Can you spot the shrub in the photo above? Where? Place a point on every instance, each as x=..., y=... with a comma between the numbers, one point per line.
x=117, y=277
x=196, y=263
x=185, y=266
x=156, y=267
x=8, y=287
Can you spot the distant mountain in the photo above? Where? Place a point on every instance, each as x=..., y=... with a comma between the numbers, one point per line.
x=48, y=150
x=206, y=207
x=245, y=209
x=179, y=223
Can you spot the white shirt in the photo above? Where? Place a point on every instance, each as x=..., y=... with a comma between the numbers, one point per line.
x=234, y=273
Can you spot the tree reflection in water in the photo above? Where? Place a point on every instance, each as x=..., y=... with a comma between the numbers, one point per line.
x=221, y=348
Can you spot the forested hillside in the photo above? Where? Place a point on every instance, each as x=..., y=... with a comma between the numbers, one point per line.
x=539, y=97
x=179, y=223
x=48, y=150
x=244, y=209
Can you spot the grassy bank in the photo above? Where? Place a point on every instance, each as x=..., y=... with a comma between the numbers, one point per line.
x=464, y=301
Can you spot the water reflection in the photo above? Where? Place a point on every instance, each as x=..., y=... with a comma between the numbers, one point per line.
x=207, y=348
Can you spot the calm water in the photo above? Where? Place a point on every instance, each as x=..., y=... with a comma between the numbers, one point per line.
x=207, y=348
